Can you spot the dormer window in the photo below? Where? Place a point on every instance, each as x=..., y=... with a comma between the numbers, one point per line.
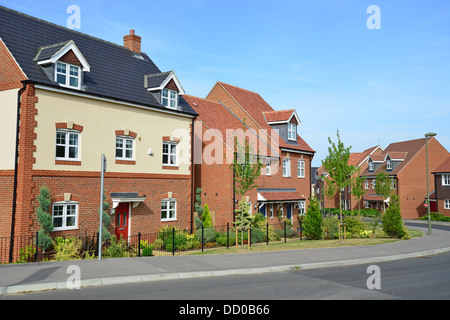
x=67, y=75
x=63, y=63
x=371, y=166
x=169, y=98
x=388, y=164
x=292, y=131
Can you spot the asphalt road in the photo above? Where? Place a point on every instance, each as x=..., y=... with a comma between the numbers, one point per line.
x=426, y=278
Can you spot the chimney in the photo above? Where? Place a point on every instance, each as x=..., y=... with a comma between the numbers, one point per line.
x=132, y=42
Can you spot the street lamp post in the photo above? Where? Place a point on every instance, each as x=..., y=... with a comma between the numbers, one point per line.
x=427, y=135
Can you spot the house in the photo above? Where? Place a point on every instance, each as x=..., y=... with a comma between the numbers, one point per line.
x=78, y=97
x=284, y=186
x=441, y=196
x=405, y=163
x=349, y=202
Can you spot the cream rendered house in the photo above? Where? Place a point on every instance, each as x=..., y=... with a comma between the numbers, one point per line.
x=78, y=97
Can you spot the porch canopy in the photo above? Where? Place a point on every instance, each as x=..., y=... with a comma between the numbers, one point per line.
x=267, y=195
x=119, y=197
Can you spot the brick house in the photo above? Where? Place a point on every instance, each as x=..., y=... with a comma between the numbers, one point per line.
x=284, y=186
x=349, y=202
x=405, y=162
x=79, y=97
x=440, y=201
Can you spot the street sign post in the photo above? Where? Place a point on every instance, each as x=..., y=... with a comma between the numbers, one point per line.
x=103, y=169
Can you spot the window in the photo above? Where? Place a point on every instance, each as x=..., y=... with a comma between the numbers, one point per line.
x=286, y=167
x=388, y=164
x=292, y=131
x=447, y=204
x=374, y=183
x=168, y=209
x=65, y=216
x=268, y=167
x=169, y=98
x=68, y=75
x=446, y=179
x=271, y=211
x=371, y=166
x=393, y=184
x=169, y=154
x=67, y=145
x=367, y=204
x=301, y=208
x=301, y=168
x=366, y=184
x=124, y=148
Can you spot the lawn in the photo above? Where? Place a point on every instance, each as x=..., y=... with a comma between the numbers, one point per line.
x=306, y=244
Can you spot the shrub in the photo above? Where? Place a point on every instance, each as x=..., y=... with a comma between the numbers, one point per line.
x=392, y=220
x=257, y=235
x=354, y=227
x=330, y=227
x=117, y=248
x=206, y=217
x=67, y=249
x=312, y=224
x=209, y=235
x=44, y=218
x=147, y=251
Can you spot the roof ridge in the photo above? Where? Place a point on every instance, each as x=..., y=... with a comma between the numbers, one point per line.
x=227, y=84
x=59, y=26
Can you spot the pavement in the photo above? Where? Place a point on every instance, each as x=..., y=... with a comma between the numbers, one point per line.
x=18, y=278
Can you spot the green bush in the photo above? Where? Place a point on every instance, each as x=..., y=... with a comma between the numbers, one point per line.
x=330, y=227
x=206, y=217
x=221, y=239
x=67, y=249
x=354, y=227
x=435, y=216
x=117, y=248
x=392, y=220
x=258, y=236
x=147, y=251
x=209, y=235
x=312, y=224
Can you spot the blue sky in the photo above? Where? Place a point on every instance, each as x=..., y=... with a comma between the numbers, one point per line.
x=317, y=56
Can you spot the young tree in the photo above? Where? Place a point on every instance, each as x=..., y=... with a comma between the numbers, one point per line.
x=312, y=224
x=206, y=217
x=106, y=219
x=336, y=164
x=383, y=187
x=358, y=190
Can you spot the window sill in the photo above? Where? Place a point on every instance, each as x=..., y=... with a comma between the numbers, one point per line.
x=68, y=162
x=168, y=220
x=166, y=167
x=121, y=161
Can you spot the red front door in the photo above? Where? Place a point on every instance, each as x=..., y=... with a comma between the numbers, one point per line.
x=122, y=220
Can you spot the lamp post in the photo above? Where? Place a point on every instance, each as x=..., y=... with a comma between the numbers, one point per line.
x=428, y=135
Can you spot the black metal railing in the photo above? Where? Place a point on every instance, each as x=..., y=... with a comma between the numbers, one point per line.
x=166, y=242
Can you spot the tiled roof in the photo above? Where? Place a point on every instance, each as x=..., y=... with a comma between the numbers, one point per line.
x=444, y=167
x=115, y=73
x=255, y=106
x=275, y=116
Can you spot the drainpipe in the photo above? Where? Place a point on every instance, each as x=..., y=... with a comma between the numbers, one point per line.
x=192, y=174
x=16, y=157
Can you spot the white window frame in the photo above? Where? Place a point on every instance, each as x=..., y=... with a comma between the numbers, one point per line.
x=68, y=74
x=292, y=132
x=447, y=204
x=64, y=215
x=388, y=164
x=366, y=184
x=300, y=168
x=170, y=154
x=367, y=204
x=393, y=184
x=124, y=148
x=168, y=210
x=67, y=145
x=371, y=166
x=301, y=207
x=374, y=183
x=271, y=211
x=166, y=94
x=286, y=167
x=446, y=180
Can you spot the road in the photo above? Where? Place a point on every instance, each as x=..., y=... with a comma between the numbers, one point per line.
x=420, y=278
